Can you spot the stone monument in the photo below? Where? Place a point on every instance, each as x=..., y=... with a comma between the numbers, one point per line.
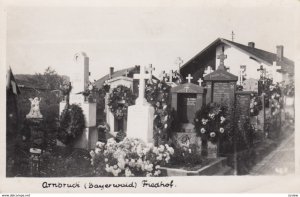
x=141, y=115
x=79, y=78
x=220, y=84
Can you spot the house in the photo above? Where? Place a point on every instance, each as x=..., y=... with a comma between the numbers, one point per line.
x=12, y=92
x=238, y=56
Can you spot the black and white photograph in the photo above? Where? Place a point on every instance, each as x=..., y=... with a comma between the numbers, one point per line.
x=152, y=89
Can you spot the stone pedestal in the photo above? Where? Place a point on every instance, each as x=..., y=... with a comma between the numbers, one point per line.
x=88, y=139
x=140, y=122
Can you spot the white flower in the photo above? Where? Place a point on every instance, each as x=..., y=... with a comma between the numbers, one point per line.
x=221, y=130
x=252, y=110
x=202, y=130
x=115, y=167
x=212, y=134
x=157, y=166
x=100, y=144
x=190, y=151
x=222, y=119
x=106, y=160
x=97, y=150
x=92, y=153
x=128, y=172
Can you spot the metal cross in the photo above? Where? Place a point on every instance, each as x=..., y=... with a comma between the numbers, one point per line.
x=200, y=81
x=189, y=78
x=232, y=36
x=262, y=71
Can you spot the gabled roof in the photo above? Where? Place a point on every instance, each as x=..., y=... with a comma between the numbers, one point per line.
x=188, y=88
x=99, y=83
x=258, y=54
x=131, y=71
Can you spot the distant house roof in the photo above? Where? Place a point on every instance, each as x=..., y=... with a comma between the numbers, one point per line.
x=255, y=53
x=131, y=71
x=11, y=83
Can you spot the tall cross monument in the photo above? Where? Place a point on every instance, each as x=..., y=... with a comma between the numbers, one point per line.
x=141, y=115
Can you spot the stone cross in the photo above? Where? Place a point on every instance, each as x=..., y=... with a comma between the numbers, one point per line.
x=150, y=69
x=222, y=57
x=200, y=81
x=189, y=78
x=142, y=76
x=178, y=62
x=208, y=70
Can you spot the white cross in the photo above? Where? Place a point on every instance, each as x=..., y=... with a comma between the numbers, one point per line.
x=208, y=70
x=200, y=81
x=126, y=73
x=171, y=75
x=242, y=73
x=178, y=62
x=162, y=75
x=142, y=76
x=189, y=78
x=150, y=69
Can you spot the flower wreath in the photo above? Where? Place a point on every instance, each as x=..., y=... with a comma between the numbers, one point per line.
x=119, y=99
x=71, y=124
x=255, y=105
x=211, y=122
x=157, y=94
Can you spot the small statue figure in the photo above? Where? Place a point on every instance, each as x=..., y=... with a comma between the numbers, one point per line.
x=35, y=108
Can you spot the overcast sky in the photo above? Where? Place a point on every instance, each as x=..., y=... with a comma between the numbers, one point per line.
x=41, y=35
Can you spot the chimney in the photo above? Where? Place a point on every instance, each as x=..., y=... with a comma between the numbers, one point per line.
x=111, y=72
x=251, y=44
x=279, y=52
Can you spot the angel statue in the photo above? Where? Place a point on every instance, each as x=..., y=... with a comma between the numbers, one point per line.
x=35, y=108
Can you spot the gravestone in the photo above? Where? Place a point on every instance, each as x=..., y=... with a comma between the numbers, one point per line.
x=34, y=121
x=116, y=125
x=242, y=113
x=220, y=84
x=141, y=115
x=79, y=78
x=212, y=150
x=250, y=85
x=187, y=99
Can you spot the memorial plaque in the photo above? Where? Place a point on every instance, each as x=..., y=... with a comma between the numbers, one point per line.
x=223, y=92
x=187, y=107
x=250, y=85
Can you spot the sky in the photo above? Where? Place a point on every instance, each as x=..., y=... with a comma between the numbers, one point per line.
x=122, y=35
